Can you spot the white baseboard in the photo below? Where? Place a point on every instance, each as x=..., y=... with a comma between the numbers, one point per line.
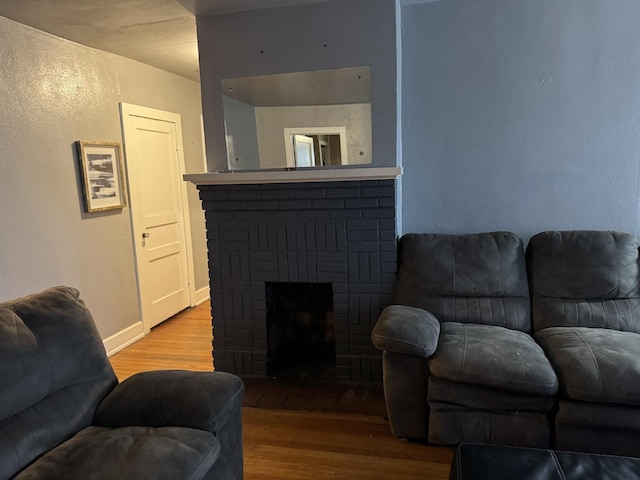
x=123, y=338
x=202, y=296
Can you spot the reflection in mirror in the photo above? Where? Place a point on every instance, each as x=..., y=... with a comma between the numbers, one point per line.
x=267, y=117
x=315, y=147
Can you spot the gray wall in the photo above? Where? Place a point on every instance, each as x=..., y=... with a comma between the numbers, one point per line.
x=333, y=34
x=521, y=115
x=52, y=93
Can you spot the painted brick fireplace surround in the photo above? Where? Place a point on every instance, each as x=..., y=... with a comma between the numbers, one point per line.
x=337, y=232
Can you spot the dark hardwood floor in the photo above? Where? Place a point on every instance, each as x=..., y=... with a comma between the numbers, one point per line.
x=294, y=430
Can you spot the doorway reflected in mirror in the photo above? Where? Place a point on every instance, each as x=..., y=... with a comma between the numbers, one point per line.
x=316, y=147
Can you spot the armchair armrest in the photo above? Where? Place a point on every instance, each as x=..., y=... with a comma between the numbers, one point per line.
x=406, y=330
x=201, y=400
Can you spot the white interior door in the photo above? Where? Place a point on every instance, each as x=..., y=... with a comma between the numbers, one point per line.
x=155, y=165
x=303, y=148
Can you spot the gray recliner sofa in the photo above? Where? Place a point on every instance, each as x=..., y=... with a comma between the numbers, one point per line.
x=64, y=415
x=460, y=366
x=459, y=363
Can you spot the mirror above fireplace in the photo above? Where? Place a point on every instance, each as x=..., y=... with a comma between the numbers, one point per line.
x=267, y=118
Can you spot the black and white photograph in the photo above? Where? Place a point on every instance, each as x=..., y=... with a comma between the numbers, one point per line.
x=101, y=166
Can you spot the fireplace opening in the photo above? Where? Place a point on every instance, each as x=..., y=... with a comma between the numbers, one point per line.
x=300, y=337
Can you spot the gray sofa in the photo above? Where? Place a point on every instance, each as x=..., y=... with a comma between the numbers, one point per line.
x=64, y=415
x=474, y=351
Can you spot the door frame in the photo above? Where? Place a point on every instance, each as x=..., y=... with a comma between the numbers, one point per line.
x=127, y=111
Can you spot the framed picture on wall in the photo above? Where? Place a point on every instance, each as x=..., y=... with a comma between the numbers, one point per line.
x=102, y=173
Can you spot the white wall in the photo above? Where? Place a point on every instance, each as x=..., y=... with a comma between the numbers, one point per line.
x=52, y=93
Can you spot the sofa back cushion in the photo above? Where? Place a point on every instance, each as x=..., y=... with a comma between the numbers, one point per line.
x=585, y=279
x=468, y=278
x=54, y=371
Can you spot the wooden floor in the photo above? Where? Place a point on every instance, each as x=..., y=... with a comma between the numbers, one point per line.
x=181, y=343
x=292, y=443
x=282, y=444
x=322, y=397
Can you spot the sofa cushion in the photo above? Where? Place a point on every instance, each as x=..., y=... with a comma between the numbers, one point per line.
x=54, y=372
x=585, y=279
x=128, y=453
x=494, y=357
x=595, y=364
x=614, y=314
x=407, y=330
x=24, y=367
x=473, y=278
x=40, y=356
x=585, y=264
x=162, y=398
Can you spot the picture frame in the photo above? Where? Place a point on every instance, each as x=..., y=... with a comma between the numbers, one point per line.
x=102, y=175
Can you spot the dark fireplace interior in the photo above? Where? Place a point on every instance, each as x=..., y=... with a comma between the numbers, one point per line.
x=300, y=334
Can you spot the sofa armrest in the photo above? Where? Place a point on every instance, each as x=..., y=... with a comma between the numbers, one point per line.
x=201, y=400
x=406, y=330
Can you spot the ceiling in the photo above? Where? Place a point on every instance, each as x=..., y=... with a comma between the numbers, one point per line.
x=161, y=33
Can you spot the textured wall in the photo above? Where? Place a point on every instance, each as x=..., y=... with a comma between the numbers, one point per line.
x=52, y=93
x=521, y=115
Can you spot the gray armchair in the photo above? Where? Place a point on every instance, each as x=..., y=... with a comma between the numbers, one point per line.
x=459, y=364
x=586, y=314
x=64, y=415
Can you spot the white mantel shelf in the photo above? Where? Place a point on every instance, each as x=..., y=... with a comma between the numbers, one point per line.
x=294, y=176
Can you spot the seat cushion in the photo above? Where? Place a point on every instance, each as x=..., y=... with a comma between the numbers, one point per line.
x=129, y=453
x=494, y=357
x=595, y=364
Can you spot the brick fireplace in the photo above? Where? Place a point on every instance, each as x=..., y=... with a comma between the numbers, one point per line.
x=336, y=233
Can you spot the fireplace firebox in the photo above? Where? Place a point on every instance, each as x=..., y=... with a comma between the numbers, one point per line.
x=300, y=340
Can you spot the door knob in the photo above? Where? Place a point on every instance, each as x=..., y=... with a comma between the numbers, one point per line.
x=145, y=235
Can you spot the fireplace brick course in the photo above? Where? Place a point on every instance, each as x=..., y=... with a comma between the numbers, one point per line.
x=343, y=233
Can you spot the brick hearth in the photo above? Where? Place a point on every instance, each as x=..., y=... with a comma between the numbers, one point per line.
x=343, y=233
